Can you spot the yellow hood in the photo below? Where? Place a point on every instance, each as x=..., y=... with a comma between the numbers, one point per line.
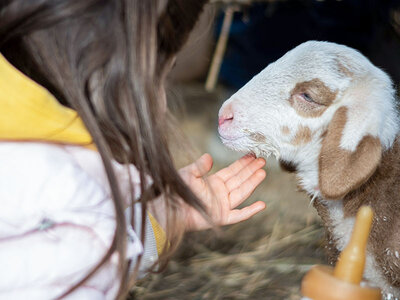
x=29, y=112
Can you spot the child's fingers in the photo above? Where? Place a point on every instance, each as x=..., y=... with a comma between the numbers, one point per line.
x=239, y=215
x=244, y=174
x=235, y=167
x=244, y=191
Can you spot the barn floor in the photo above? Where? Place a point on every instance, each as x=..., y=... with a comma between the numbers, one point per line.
x=262, y=258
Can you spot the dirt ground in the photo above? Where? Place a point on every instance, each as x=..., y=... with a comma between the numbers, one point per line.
x=262, y=258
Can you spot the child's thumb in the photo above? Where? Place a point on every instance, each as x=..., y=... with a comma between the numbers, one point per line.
x=201, y=166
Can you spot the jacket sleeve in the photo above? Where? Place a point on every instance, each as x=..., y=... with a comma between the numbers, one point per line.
x=128, y=176
x=154, y=241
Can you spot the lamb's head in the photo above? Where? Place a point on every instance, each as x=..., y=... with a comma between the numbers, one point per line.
x=322, y=109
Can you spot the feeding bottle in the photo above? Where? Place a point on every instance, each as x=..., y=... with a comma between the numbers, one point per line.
x=344, y=281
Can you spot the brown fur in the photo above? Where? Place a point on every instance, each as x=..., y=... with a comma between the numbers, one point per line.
x=382, y=193
x=341, y=171
x=258, y=137
x=285, y=130
x=307, y=110
x=303, y=136
x=332, y=251
x=318, y=91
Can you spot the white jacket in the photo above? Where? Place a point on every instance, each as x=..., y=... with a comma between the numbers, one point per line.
x=57, y=221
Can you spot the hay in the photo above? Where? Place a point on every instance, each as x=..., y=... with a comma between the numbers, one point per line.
x=268, y=267
x=262, y=258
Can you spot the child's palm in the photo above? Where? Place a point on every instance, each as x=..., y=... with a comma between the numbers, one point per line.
x=223, y=191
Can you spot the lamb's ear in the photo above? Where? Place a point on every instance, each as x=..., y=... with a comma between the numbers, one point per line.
x=341, y=170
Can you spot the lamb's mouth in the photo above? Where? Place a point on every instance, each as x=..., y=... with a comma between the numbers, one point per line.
x=262, y=146
x=251, y=143
x=231, y=138
x=257, y=137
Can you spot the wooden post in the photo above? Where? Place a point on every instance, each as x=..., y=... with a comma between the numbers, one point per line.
x=220, y=49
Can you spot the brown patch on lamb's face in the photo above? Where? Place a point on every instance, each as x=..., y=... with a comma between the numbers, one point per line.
x=302, y=137
x=340, y=170
x=258, y=137
x=332, y=251
x=285, y=130
x=311, y=98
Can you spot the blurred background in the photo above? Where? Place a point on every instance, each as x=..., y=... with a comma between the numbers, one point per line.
x=267, y=256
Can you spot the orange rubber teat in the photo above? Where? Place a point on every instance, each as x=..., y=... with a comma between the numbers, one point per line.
x=350, y=266
x=343, y=282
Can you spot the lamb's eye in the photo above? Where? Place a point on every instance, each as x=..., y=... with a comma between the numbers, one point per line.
x=307, y=97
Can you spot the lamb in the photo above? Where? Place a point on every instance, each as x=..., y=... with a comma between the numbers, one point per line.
x=329, y=115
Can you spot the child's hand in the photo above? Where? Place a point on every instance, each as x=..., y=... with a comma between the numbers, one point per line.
x=223, y=191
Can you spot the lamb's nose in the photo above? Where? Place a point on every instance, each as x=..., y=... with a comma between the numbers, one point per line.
x=225, y=115
x=223, y=119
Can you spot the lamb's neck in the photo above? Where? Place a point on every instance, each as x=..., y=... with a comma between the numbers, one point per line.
x=307, y=174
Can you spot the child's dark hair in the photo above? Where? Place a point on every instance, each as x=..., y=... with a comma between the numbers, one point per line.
x=108, y=59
